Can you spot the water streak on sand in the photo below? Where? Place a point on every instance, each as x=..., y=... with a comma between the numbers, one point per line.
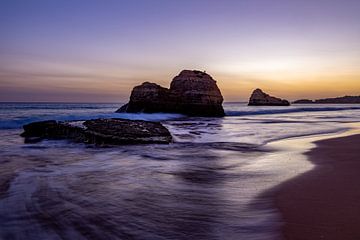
x=322, y=203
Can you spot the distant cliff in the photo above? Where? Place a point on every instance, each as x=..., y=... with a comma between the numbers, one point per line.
x=339, y=100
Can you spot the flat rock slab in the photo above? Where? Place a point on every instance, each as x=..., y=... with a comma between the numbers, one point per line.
x=113, y=131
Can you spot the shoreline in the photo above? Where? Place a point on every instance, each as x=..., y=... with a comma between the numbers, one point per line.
x=287, y=162
x=322, y=203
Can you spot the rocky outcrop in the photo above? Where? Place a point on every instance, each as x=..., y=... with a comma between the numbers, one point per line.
x=303, y=101
x=193, y=93
x=99, y=131
x=336, y=100
x=340, y=100
x=259, y=98
x=147, y=97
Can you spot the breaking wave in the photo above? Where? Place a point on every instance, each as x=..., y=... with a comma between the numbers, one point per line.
x=19, y=122
x=288, y=110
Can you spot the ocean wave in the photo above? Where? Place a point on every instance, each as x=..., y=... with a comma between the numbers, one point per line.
x=19, y=122
x=57, y=106
x=335, y=130
x=289, y=110
x=20, y=115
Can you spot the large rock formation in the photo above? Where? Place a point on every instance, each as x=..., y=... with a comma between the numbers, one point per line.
x=336, y=100
x=259, y=98
x=99, y=131
x=193, y=93
x=148, y=97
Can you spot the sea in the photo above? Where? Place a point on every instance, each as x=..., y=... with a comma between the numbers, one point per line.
x=209, y=183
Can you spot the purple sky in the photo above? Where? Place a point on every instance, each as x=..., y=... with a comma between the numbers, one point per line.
x=55, y=50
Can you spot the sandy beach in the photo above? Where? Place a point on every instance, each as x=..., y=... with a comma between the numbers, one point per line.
x=324, y=202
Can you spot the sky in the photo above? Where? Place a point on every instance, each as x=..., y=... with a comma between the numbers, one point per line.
x=97, y=51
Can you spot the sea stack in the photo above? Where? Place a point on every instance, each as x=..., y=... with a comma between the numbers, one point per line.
x=192, y=93
x=259, y=98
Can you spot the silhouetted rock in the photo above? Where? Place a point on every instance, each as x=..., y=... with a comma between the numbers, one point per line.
x=192, y=93
x=341, y=100
x=336, y=100
x=99, y=131
x=36, y=131
x=303, y=101
x=147, y=97
x=259, y=98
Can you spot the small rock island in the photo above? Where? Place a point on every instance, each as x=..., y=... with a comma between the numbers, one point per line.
x=192, y=92
x=259, y=98
x=303, y=101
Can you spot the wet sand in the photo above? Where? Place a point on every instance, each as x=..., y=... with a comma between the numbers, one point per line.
x=324, y=203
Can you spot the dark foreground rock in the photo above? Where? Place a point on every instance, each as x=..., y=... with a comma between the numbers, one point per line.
x=99, y=131
x=259, y=98
x=193, y=93
x=336, y=100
